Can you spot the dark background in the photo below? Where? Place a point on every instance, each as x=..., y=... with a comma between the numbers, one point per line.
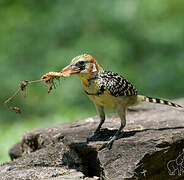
x=140, y=39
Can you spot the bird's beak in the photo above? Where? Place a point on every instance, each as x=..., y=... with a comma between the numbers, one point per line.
x=69, y=70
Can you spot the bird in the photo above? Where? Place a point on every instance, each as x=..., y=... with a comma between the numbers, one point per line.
x=107, y=89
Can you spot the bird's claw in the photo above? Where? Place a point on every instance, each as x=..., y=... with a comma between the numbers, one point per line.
x=97, y=131
x=90, y=138
x=95, y=134
x=106, y=145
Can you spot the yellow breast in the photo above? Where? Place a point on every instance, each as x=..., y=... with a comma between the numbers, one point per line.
x=106, y=99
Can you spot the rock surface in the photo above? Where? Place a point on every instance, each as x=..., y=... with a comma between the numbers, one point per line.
x=152, y=148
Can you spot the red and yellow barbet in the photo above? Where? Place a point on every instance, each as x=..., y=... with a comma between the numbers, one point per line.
x=107, y=90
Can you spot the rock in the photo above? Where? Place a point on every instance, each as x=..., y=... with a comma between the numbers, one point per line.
x=152, y=148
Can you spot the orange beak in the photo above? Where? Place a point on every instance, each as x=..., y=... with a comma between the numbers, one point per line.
x=69, y=70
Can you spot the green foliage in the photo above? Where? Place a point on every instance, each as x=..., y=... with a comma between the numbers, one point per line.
x=142, y=40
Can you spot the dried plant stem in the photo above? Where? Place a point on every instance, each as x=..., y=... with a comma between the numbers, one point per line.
x=11, y=98
x=22, y=87
x=48, y=78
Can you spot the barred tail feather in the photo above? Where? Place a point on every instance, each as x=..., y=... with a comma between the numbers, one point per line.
x=158, y=101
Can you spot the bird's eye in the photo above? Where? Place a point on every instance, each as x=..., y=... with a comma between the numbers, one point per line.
x=80, y=63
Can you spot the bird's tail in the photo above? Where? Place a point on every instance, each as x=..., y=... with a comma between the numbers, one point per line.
x=156, y=100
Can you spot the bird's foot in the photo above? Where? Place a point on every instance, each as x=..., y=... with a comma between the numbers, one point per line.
x=107, y=145
x=94, y=136
x=110, y=143
x=121, y=135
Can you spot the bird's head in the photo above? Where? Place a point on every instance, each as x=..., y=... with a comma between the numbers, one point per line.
x=85, y=66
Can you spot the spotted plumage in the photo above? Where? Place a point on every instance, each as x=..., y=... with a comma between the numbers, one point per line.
x=107, y=89
x=115, y=84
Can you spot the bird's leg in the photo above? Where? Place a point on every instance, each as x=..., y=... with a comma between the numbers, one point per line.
x=122, y=114
x=100, y=110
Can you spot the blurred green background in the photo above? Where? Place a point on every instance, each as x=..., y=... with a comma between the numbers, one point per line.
x=140, y=39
